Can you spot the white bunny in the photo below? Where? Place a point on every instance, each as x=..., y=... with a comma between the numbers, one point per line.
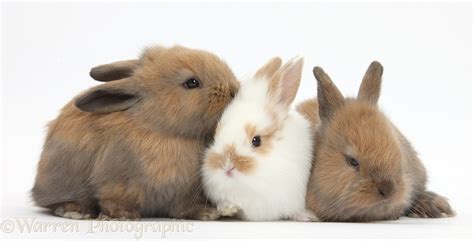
x=259, y=164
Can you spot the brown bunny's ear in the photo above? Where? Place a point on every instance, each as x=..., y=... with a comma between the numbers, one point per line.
x=115, y=96
x=329, y=96
x=286, y=81
x=114, y=71
x=369, y=89
x=269, y=69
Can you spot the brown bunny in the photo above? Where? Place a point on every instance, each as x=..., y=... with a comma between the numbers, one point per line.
x=364, y=168
x=131, y=148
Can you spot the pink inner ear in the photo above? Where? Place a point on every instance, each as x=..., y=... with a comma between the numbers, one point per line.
x=290, y=81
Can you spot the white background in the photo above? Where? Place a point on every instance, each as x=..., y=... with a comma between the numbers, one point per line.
x=48, y=49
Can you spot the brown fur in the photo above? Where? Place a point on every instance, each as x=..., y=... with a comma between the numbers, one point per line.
x=370, y=88
x=114, y=71
x=142, y=157
x=390, y=179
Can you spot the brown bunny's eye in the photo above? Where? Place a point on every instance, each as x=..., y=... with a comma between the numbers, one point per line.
x=353, y=162
x=192, y=83
x=256, y=141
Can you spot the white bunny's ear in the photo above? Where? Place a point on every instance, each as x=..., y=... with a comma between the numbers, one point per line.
x=269, y=69
x=284, y=84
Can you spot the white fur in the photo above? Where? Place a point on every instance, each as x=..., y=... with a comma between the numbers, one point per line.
x=277, y=188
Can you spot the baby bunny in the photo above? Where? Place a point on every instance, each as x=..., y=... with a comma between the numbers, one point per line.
x=131, y=147
x=365, y=169
x=259, y=164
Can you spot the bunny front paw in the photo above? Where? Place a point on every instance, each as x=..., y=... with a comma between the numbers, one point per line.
x=304, y=216
x=227, y=209
x=430, y=205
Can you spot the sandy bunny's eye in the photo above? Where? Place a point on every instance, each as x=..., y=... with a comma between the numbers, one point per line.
x=256, y=141
x=192, y=83
x=353, y=162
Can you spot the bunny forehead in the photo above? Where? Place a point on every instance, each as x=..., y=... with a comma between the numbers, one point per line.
x=363, y=132
x=180, y=62
x=249, y=110
x=261, y=103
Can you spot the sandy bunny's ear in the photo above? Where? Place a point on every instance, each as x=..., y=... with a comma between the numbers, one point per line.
x=329, y=96
x=110, y=97
x=114, y=71
x=285, y=82
x=369, y=89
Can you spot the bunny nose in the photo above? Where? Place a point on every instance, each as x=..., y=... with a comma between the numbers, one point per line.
x=234, y=88
x=386, y=188
x=233, y=91
x=228, y=168
x=228, y=172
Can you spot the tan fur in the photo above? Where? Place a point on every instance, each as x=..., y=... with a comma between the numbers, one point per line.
x=309, y=109
x=138, y=157
x=243, y=164
x=269, y=69
x=215, y=160
x=250, y=130
x=390, y=179
x=266, y=136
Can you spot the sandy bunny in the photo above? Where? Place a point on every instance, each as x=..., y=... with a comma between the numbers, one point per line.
x=131, y=147
x=364, y=169
x=258, y=166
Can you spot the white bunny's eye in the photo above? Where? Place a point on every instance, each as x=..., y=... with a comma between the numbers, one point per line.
x=256, y=141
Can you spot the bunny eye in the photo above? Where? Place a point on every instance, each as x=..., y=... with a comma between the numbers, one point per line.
x=256, y=141
x=353, y=162
x=192, y=83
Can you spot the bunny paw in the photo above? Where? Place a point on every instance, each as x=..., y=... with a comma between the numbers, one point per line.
x=76, y=215
x=227, y=209
x=103, y=217
x=208, y=214
x=304, y=216
x=430, y=205
x=73, y=211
